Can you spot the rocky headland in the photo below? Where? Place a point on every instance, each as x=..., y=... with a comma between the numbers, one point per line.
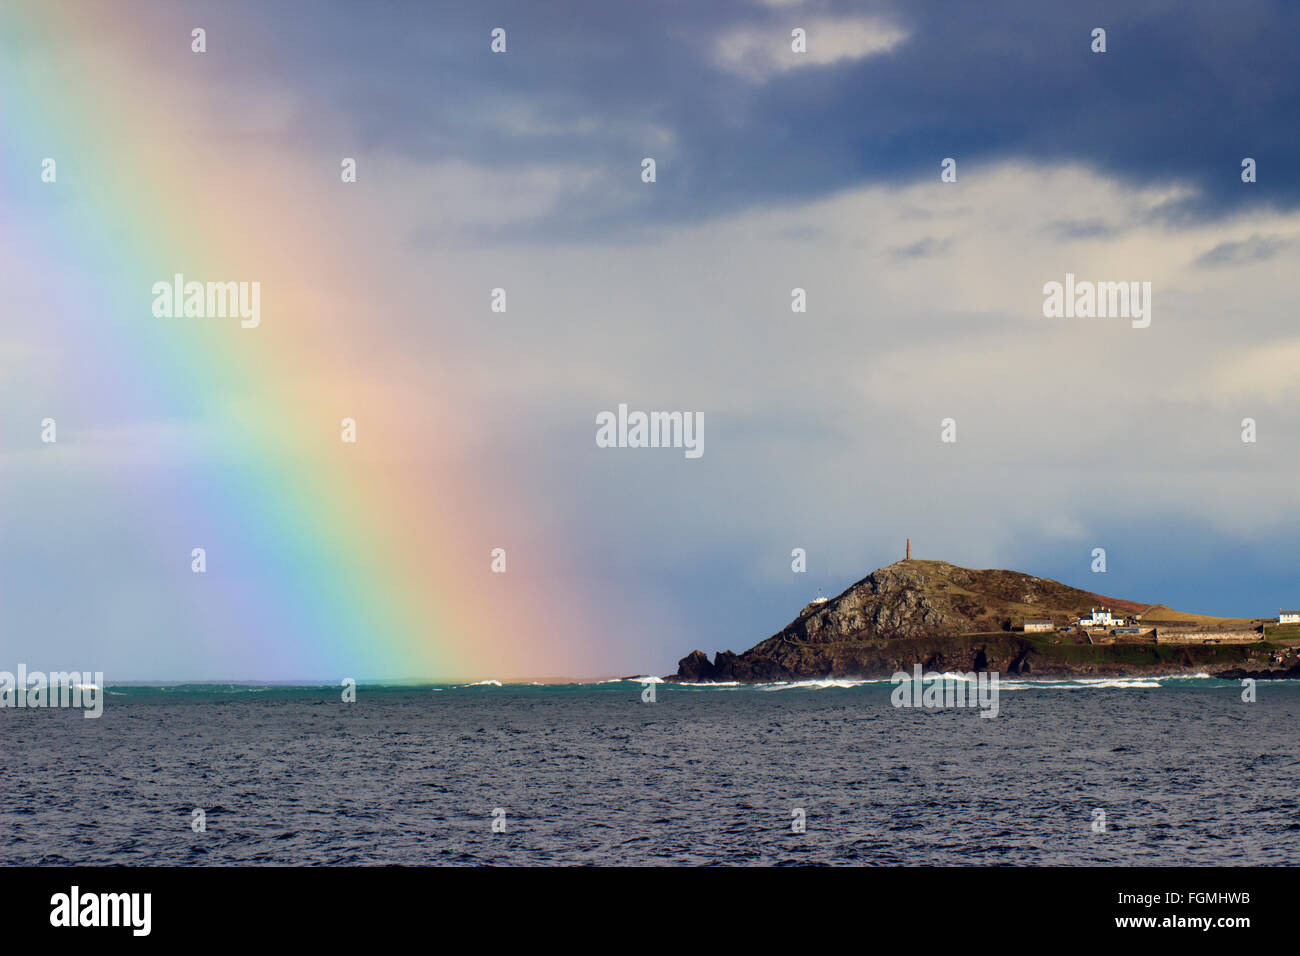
x=949, y=618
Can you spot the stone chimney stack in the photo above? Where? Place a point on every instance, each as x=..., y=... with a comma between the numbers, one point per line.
x=909, y=549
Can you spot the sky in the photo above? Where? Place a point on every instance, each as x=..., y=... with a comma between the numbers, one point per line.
x=523, y=171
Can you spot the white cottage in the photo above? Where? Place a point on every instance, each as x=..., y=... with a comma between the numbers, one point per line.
x=1100, y=617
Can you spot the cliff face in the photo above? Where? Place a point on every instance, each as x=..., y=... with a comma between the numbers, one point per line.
x=940, y=615
x=775, y=660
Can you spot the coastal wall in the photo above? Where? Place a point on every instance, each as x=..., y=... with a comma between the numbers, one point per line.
x=1207, y=637
x=1106, y=637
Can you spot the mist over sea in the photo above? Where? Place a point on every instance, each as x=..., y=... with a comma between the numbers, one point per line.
x=1186, y=772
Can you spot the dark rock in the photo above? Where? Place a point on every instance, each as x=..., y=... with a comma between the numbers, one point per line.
x=695, y=668
x=1237, y=673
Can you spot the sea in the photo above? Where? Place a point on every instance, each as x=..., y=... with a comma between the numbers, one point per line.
x=1174, y=771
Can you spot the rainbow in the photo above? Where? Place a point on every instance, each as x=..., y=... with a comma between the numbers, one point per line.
x=324, y=559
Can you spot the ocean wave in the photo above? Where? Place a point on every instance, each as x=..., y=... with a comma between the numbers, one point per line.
x=930, y=676
x=842, y=683
x=1088, y=683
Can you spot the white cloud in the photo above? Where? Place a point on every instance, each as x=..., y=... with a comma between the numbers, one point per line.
x=1265, y=375
x=813, y=415
x=758, y=53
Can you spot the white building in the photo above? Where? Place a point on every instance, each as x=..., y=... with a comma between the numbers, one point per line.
x=1100, y=617
x=1288, y=617
x=1031, y=626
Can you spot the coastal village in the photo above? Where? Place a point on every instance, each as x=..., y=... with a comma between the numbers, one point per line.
x=1159, y=625
x=1103, y=626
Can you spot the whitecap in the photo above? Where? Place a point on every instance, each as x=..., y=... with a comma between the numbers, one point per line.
x=815, y=684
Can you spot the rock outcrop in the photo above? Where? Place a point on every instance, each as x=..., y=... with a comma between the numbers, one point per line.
x=1238, y=673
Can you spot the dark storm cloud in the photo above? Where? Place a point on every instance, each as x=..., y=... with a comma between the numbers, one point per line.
x=1182, y=95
